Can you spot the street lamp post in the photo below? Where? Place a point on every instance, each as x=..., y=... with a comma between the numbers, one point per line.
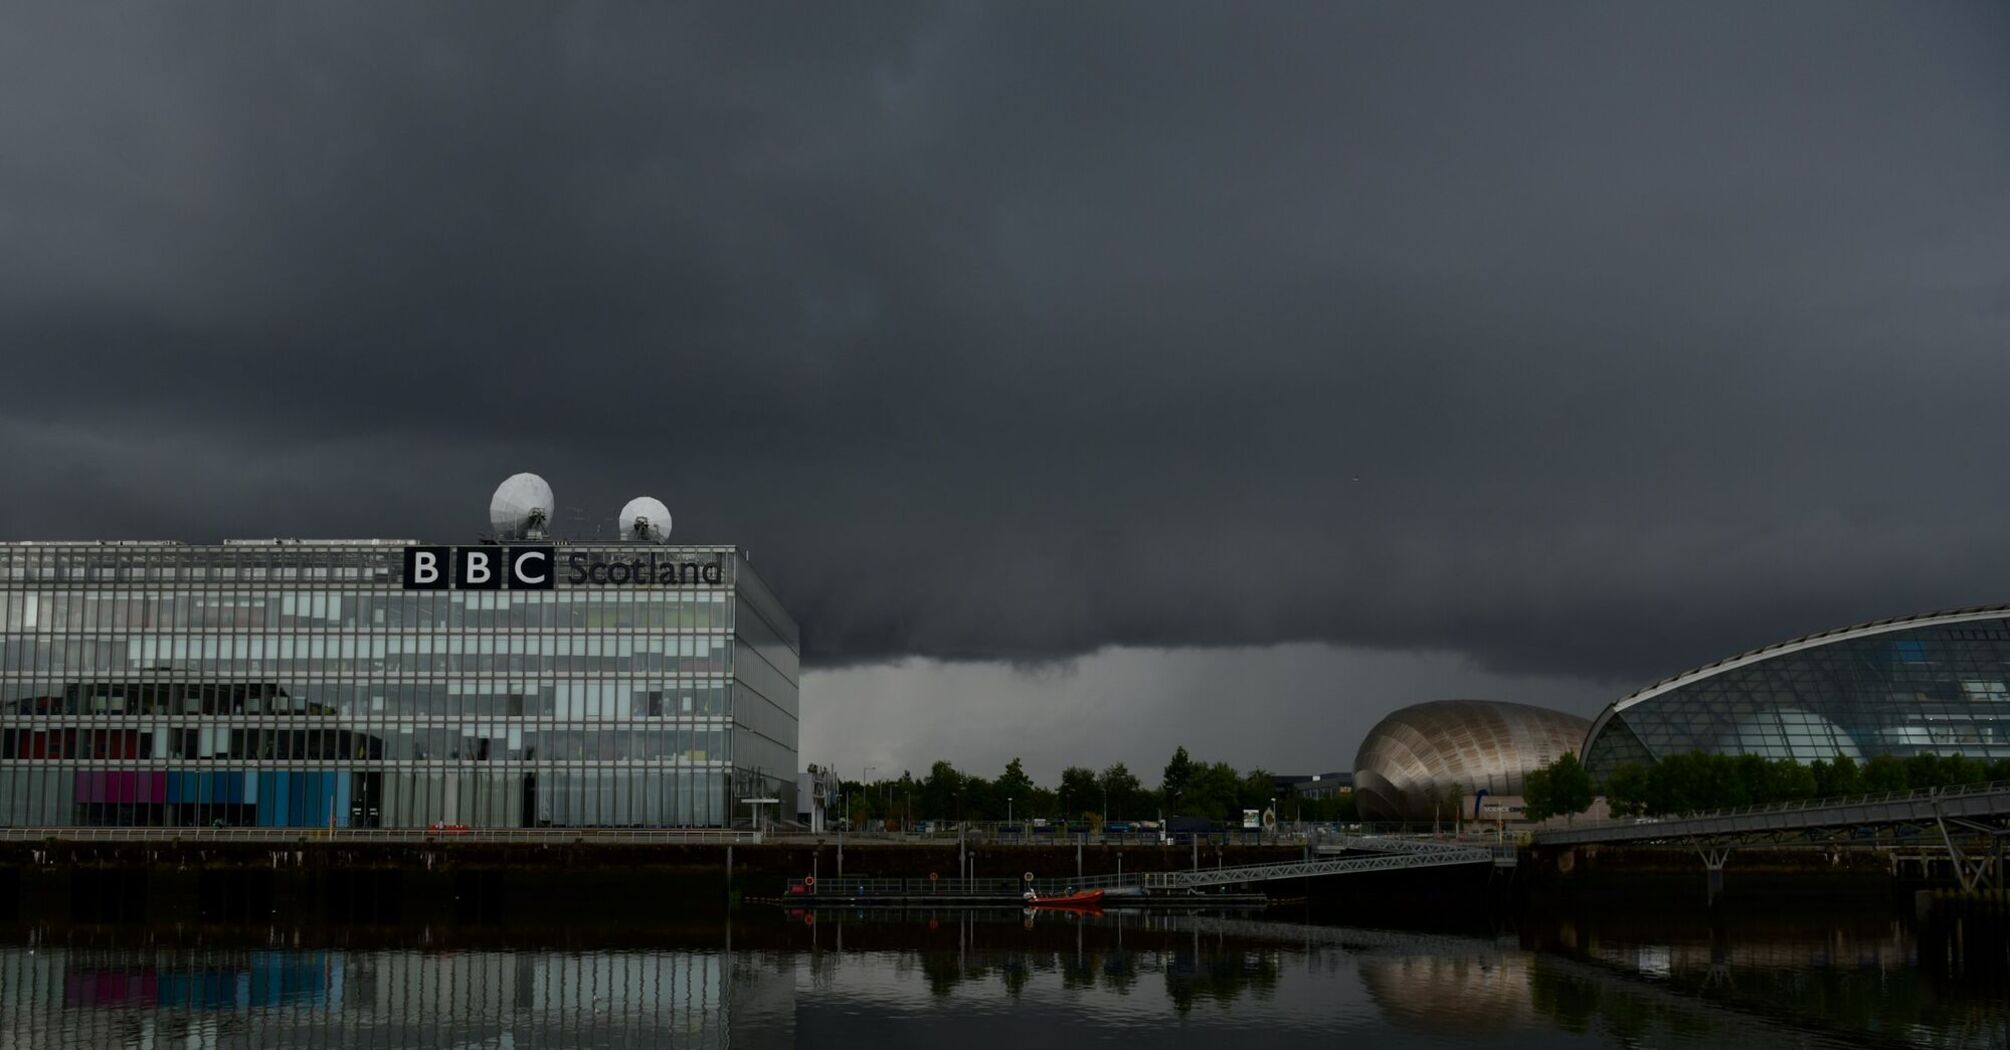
x=1008, y=809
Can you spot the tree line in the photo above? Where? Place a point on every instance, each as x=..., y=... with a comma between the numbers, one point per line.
x=1187, y=788
x=1697, y=782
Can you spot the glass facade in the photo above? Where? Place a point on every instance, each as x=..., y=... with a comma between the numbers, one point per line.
x=300, y=684
x=1938, y=683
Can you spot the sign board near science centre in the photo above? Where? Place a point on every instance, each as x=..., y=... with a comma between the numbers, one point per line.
x=539, y=568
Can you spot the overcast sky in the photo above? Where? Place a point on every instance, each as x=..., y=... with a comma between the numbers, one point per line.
x=1087, y=378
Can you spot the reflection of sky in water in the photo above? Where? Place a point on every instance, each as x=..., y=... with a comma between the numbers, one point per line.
x=980, y=983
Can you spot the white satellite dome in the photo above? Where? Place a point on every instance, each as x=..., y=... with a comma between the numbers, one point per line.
x=644, y=519
x=521, y=508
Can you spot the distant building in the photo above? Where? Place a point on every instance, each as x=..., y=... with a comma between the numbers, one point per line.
x=1313, y=785
x=1434, y=760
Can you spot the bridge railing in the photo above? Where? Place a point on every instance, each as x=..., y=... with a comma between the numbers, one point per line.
x=831, y=887
x=1801, y=806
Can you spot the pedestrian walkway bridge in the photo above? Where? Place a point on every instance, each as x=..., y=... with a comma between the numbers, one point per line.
x=1344, y=855
x=1971, y=821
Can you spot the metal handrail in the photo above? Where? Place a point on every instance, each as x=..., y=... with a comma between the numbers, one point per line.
x=848, y=888
x=1919, y=794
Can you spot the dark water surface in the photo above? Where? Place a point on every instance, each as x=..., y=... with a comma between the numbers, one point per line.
x=1004, y=980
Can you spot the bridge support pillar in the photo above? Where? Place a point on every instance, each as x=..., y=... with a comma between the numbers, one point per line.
x=1714, y=855
x=1974, y=867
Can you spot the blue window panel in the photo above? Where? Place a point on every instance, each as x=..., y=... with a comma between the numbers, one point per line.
x=342, y=798
x=271, y=799
x=313, y=804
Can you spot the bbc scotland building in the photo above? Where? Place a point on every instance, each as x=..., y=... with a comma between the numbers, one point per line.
x=283, y=683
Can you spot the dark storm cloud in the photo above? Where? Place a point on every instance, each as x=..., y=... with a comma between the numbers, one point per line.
x=1573, y=338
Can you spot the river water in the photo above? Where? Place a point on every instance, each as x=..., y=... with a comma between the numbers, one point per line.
x=975, y=981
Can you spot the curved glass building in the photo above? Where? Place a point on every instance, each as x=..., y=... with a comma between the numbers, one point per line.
x=1938, y=682
x=1462, y=747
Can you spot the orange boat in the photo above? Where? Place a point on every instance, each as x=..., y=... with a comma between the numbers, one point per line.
x=1082, y=899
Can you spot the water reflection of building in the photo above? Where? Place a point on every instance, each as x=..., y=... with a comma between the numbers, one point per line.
x=1473, y=994
x=276, y=999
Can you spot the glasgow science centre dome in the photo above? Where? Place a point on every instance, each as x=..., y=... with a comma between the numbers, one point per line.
x=1464, y=745
x=1935, y=683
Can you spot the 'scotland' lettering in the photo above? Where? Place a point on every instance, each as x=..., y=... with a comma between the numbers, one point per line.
x=534, y=569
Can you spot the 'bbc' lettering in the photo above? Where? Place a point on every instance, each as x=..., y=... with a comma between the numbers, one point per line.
x=479, y=568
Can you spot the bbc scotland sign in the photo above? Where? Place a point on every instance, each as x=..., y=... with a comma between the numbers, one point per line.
x=495, y=568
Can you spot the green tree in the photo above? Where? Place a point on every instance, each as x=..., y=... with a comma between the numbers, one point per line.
x=1569, y=785
x=1930, y=771
x=1786, y=781
x=941, y=795
x=1626, y=790
x=1960, y=769
x=1079, y=792
x=1125, y=794
x=1728, y=779
x=1015, y=783
x=1259, y=786
x=1884, y=773
x=1215, y=792
x=982, y=800
x=1838, y=778
x=906, y=798
x=1538, y=795
x=1178, y=777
